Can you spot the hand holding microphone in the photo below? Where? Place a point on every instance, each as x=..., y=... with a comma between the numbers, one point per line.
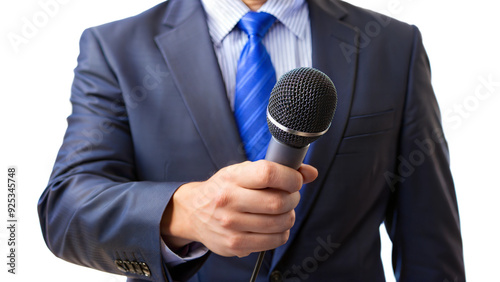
x=249, y=207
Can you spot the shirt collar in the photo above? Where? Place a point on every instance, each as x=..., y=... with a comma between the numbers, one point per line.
x=223, y=15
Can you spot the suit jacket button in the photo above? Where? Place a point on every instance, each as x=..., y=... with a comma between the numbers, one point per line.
x=120, y=265
x=145, y=269
x=275, y=276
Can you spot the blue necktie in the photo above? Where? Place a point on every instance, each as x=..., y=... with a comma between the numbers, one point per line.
x=255, y=78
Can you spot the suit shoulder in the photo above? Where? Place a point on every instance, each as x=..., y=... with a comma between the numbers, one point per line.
x=145, y=22
x=371, y=22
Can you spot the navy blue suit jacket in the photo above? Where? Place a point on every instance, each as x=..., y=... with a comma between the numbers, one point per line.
x=150, y=112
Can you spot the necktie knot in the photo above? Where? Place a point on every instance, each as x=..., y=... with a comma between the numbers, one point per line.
x=256, y=23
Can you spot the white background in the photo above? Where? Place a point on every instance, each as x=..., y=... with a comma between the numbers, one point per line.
x=462, y=40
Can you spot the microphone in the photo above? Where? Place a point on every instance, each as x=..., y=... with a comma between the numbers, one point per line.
x=300, y=110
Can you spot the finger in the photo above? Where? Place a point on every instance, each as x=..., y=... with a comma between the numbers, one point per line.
x=265, y=174
x=243, y=244
x=309, y=173
x=264, y=201
x=259, y=223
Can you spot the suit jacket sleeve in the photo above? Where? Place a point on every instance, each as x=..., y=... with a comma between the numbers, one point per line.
x=423, y=222
x=96, y=212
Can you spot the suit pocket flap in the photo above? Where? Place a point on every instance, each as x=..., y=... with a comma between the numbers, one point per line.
x=370, y=123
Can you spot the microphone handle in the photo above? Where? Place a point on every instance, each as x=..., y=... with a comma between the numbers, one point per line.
x=286, y=155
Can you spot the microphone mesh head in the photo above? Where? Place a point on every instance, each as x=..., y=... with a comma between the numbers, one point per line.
x=303, y=99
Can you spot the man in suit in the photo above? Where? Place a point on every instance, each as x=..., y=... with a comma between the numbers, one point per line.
x=152, y=182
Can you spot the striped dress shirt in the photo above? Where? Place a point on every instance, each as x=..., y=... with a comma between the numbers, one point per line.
x=288, y=41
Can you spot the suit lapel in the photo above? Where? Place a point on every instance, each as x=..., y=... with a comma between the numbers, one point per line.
x=188, y=52
x=335, y=48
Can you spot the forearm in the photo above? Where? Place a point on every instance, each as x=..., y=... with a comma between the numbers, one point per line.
x=92, y=221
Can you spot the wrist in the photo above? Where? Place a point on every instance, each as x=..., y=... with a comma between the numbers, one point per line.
x=175, y=224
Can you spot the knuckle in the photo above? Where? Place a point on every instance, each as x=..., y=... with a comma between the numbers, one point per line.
x=226, y=221
x=283, y=222
x=222, y=198
x=290, y=221
x=299, y=181
x=234, y=243
x=266, y=172
x=243, y=254
x=283, y=238
x=225, y=174
x=295, y=198
x=277, y=204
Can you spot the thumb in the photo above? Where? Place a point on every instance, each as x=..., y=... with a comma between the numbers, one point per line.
x=309, y=173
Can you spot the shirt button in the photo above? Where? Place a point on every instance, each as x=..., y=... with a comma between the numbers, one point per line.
x=276, y=276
